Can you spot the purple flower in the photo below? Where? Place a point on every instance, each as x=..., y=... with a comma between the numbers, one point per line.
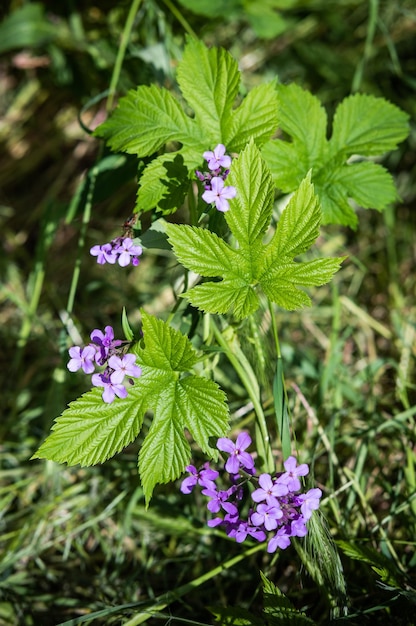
x=105, y=341
x=219, y=194
x=205, y=478
x=238, y=458
x=280, y=540
x=217, y=158
x=269, y=490
x=219, y=500
x=310, y=502
x=290, y=477
x=127, y=252
x=125, y=366
x=82, y=358
x=104, y=253
x=298, y=527
x=110, y=390
x=266, y=515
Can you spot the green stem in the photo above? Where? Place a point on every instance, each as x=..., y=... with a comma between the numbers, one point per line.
x=247, y=376
x=125, y=36
x=280, y=393
x=186, y=26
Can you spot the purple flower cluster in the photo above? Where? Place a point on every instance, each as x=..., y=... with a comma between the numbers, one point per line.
x=215, y=191
x=277, y=512
x=104, y=350
x=120, y=249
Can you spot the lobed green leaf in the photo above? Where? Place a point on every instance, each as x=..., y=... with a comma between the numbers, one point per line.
x=209, y=81
x=145, y=120
x=367, y=125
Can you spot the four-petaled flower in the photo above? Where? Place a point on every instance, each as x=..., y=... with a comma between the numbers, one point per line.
x=238, y=458
x=290, y=477
x=217, y=158
x=123, y=366
x=219, y=194
x=111, y=390
x=82, y=358
x=269, y=490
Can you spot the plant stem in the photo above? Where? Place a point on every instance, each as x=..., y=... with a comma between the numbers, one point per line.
x=247, y=376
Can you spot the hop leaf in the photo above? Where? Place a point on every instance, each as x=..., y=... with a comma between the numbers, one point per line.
x=363, y=125
x=90, y=431
x=252, y=266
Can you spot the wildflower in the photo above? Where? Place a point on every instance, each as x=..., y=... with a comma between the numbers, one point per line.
x=104, y=253
x=219, y=194
x=127, y=252
x=290, y=477
x=269, y=490
x=280, y=540
x=217, y=158
x=111, y=390
x=205, y=478
x=238, y=458
x=81, y=358
x=310, y=502
x=123, y=366
x=121, y=250
x=105, y=342
x=267, y=515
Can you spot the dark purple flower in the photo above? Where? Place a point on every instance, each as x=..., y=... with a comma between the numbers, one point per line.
x=204, y=477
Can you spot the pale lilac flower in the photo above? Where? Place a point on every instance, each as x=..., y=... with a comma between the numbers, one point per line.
x=310, y=502
x=123, y=366
x=110, y=390
x=238, y=458
x=104, y=253
x=127, y=252
x=269, y=490
x=298, y=527
x=81, y=358
x=219, y=194
x=290, y=477
x=217, y=158
x=280, y=540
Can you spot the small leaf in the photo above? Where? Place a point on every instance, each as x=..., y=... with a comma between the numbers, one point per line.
x=367, y=125
x=128, y=333
x=209, y=80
